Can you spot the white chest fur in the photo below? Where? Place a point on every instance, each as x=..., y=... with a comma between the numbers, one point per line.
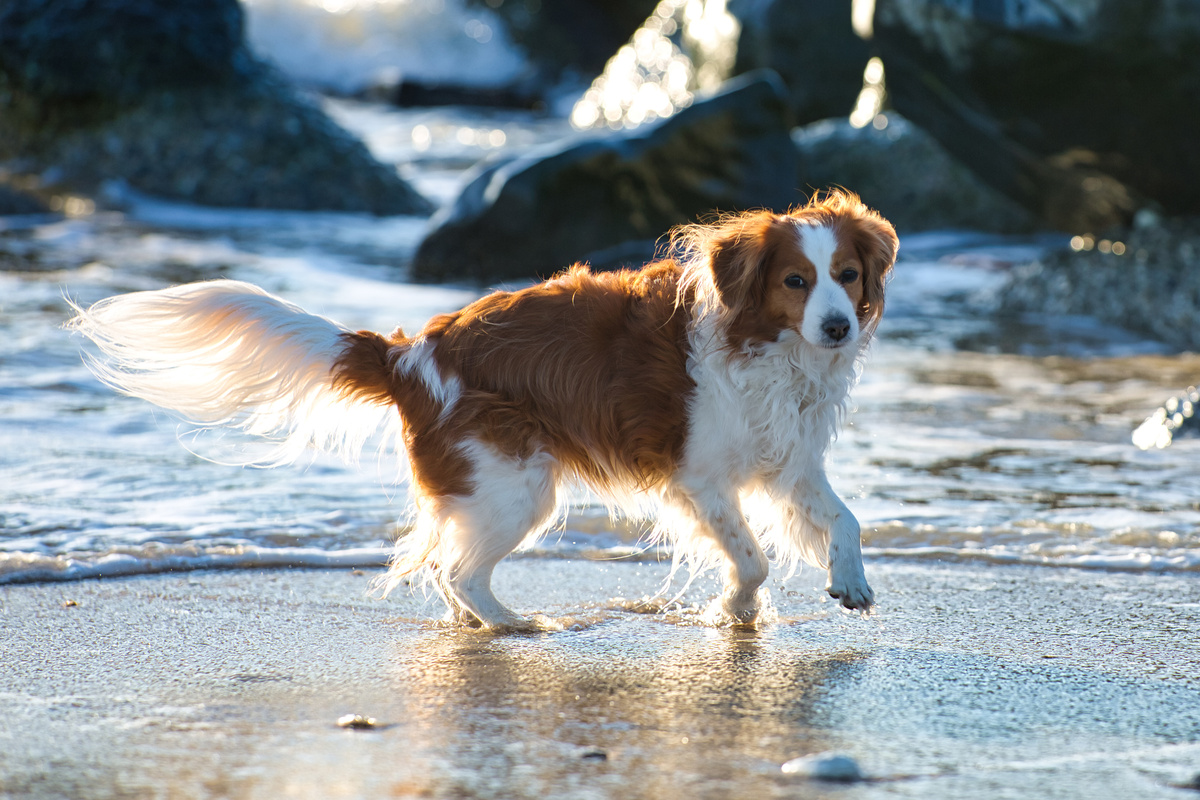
x=765, y=416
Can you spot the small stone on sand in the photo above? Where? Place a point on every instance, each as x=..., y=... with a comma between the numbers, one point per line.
x=1193, y=784
x=825, y=767
x=357, y=722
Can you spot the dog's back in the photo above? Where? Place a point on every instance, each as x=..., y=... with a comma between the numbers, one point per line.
x=590, y=368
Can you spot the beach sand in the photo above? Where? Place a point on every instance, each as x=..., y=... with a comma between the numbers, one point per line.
x=969, y=681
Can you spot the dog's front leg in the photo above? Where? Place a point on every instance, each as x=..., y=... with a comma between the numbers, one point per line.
x=719, y=519
x=847, y=581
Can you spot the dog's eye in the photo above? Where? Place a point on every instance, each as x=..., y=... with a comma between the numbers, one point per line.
x=848, y=276
x=794, y=282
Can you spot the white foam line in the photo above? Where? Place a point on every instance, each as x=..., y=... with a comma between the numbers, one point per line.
x=37, y=568
x=1138, y=561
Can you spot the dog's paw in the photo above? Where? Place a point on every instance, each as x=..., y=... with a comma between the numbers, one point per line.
x=501, y=620
x=853, y=592
x=735, y=610
x=508, y=622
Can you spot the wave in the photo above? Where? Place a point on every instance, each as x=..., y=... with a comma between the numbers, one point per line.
x=150, y=559
x=1134, y=560
x=1126, y=552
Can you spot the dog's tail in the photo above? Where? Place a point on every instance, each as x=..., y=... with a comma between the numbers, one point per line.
x=228, y=354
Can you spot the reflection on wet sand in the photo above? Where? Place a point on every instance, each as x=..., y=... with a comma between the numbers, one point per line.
x=548, y=711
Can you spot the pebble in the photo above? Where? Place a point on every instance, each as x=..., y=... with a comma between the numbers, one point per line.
x=357, y=722
x=825, y=767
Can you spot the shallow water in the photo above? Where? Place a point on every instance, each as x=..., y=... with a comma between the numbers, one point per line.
x=973, y=439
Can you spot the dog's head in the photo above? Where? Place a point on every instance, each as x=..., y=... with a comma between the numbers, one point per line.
x=818, y=270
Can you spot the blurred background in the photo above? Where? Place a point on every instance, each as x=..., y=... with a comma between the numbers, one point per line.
x=380, y=161
x=1007, y=116
x=996, y=115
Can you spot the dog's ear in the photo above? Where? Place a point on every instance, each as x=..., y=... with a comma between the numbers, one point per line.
x=875, y=243
x=737, y=253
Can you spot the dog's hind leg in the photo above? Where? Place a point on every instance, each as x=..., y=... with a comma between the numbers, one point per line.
x=510, y=500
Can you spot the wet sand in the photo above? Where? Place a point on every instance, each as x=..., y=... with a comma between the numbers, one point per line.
x=970, y=681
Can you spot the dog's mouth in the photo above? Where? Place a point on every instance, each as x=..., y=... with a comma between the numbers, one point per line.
x=832, y=344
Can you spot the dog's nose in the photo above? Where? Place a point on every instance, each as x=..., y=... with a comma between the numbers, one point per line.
x=836, y=328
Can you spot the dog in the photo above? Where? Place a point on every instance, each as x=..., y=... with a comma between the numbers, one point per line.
x=691, y=392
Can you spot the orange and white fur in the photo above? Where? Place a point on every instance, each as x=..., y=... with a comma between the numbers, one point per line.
x=677, y=392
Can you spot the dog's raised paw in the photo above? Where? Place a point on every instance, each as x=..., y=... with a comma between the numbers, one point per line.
x=853, y=594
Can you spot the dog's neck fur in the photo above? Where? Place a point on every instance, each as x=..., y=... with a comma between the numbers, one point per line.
x=787, y=397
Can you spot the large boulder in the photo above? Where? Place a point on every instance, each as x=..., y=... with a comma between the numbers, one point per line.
x=813, y=47
x=115, y=51
x=606, y=199
x=1081, y=110
x=902, y=172
x=164, y=96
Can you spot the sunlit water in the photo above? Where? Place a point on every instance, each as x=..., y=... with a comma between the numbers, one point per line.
x=350, y=45
x=972, y=439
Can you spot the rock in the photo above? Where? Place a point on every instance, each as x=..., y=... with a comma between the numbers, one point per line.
x=903, y=173
x=164, y=96
x=616, y=192
x=359, y=722
x=691, y=46
x=1075, y=109
x=570, y=35
x=257, y=145
x=1143, y=279
x=811, y=45
x=115, y=51
x=14, y=201
x=418, y=94
x=825, y=767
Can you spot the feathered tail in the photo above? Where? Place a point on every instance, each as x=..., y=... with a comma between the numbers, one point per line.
x=228, y=354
